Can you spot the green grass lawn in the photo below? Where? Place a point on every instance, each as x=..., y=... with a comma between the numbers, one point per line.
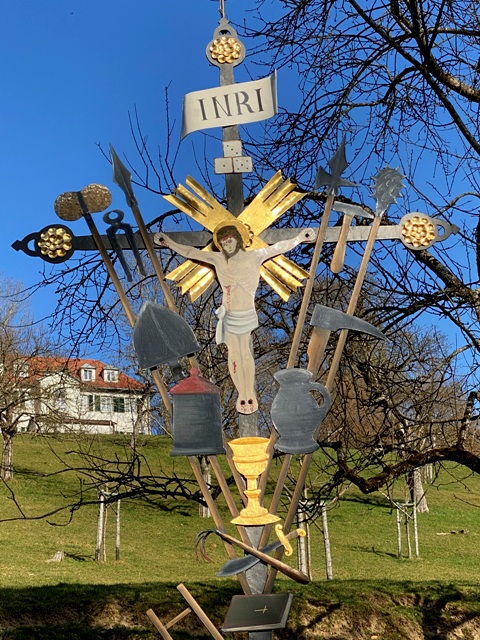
x=157, y=550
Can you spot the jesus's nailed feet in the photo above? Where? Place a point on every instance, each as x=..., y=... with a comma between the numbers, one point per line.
x=247, y=406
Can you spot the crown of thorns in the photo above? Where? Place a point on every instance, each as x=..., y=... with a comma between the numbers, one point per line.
x=225, y=228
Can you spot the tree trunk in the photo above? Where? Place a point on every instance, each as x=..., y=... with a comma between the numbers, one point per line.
x=417, y=491
x=6, y=471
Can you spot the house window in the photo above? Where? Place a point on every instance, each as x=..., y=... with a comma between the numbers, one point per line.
x=60, y=399
x=119, y=405
x=88, y=374
x=110, y=375
x=93, y=403
x=105, y=404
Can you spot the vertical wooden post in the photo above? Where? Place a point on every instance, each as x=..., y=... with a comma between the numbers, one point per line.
x=399, y=534
x=98, y=547
x=407, y=532
x=326, y=543
x=303, y=542
x=104, y=532
x=117, y=536
x=415, y=529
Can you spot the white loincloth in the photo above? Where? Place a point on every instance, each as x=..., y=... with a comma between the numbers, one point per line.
x=236, y=322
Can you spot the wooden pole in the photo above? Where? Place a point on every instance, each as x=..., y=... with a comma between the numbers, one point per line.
x=415, y=529
x=159, y=626
x=322, y=230
x=121, y=295
x=207, y=623
x=117, y=536
x=407, y=532
x=98, y=547
x=399, y=534
x=326, y=542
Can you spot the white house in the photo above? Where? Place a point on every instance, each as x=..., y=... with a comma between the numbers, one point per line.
x=82, y=395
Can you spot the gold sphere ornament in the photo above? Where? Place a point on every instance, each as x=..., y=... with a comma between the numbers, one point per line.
x=54, y=244
x=418, y=231
x=225, y=48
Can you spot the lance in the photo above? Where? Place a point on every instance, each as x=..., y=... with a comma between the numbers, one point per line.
x=123, y=178
x=388, y=183
x=338, y=164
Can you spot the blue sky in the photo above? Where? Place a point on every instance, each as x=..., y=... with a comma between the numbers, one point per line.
x=70, y=72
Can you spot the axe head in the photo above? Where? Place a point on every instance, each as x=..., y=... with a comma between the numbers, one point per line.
x=333, y=320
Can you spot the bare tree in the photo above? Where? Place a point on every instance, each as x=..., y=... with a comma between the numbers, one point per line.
x=399, y=79
x=21, y=343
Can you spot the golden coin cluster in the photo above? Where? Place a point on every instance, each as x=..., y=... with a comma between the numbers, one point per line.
x=418, y=231
x=55, y=242
x=225, y=50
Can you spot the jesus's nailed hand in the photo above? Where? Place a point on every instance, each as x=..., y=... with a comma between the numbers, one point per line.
x=307, y=235
x=160, y=240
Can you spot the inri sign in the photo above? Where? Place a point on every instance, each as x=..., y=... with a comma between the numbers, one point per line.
x=230, y=104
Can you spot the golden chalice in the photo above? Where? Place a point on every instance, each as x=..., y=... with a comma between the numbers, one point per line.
x=250, y=459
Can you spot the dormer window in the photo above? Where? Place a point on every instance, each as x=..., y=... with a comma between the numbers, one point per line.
x=110, y=375
x=87, y=373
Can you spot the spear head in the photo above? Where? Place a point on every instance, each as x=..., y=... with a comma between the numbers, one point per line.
x=338, y=163
x=123, y=178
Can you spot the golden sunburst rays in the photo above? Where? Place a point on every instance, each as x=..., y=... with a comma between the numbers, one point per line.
x=276, y=197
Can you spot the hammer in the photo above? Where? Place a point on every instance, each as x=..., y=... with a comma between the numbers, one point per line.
x=349, y=211
x=325, y=320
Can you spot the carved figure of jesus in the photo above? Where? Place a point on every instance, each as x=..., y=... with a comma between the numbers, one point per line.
x=238, y=272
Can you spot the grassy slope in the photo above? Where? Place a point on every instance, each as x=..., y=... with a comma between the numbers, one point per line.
x=82, y=598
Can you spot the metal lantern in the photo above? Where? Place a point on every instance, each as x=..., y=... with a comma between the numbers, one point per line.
x=197, y=422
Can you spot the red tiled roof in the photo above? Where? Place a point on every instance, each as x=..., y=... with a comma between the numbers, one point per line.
x=41, y=366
